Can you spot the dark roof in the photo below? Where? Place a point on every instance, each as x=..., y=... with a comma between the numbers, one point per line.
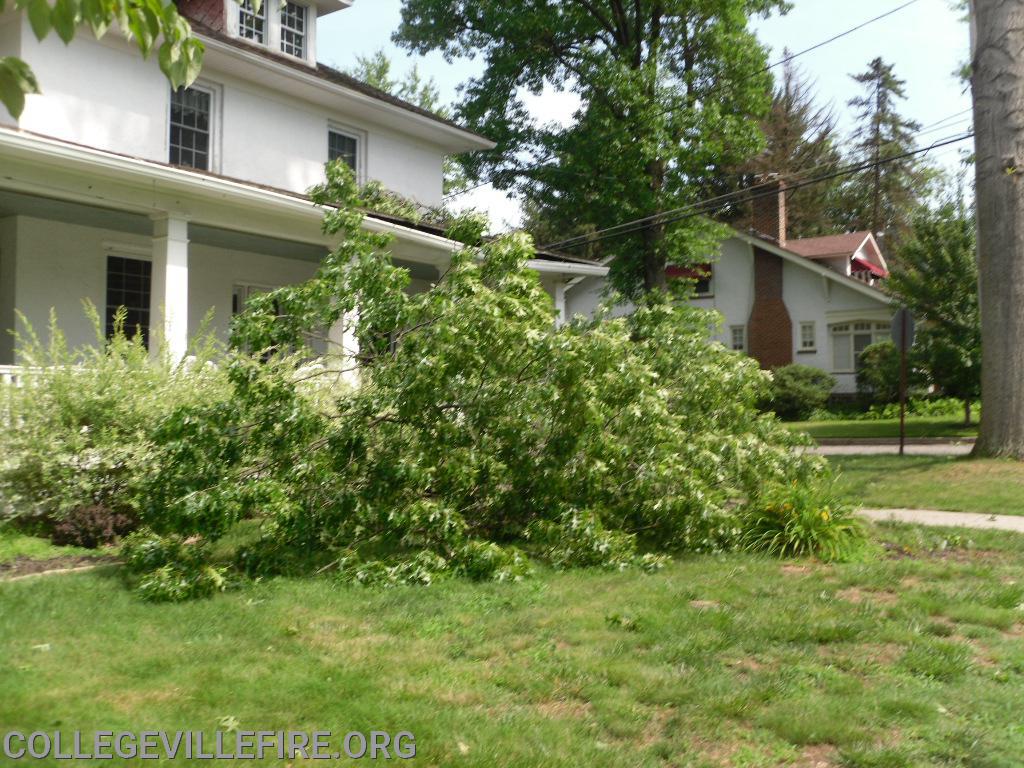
x=327, y=73
x=435, y=229
x=829, y=245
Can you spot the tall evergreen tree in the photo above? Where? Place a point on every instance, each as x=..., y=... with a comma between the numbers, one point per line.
x=883, y=198
x=800, y=138
x=671, y=95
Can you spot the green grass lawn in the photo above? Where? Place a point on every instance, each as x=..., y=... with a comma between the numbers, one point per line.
x=917, y=426
x=14, y=545
x=990, y=486
x=911, y=658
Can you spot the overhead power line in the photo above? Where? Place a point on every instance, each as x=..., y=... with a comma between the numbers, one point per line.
x=705, y=206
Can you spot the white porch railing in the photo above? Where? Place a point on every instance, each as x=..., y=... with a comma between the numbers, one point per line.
x=11, y=374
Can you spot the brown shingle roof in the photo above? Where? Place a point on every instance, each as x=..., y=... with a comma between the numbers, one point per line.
x=829, y=245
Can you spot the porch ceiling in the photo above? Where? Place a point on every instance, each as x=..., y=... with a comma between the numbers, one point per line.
x=50, y=209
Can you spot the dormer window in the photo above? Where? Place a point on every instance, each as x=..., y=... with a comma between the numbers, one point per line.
x=252, y=25
x=293, y=29
x=279, y=26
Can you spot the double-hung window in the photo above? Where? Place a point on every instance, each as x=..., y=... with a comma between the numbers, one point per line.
x=808, y=341
x=252, y=24
x=191, y=127
x=738, y=337
x=293, y=29
x=342, y=146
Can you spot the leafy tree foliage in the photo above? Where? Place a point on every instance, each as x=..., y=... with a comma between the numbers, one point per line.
x=671, y=93
x=883, y=198
x=936, y=275
x=152, y=24
x=801, y=143
x=481, y=435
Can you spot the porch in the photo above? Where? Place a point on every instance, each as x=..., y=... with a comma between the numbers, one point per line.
x=171, y=245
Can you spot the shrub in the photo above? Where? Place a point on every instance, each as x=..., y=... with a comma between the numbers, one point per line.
x=80, y=432
x=91, y=527
x=797, y=391
x=802, y=520
x=878, y=377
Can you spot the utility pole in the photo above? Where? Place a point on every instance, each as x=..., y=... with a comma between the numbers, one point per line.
x=997, y=84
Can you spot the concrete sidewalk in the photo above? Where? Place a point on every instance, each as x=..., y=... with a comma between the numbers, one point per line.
x=891, y=449
x=950, y=519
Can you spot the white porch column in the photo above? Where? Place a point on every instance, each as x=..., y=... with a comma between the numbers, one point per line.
x=168, y=304
x=559, y=297
x=343, y=348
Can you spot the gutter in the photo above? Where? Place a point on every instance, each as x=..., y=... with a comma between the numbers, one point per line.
x=152, y=176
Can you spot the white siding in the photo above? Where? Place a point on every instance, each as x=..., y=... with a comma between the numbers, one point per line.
x=102, y=94
x=58, y=265
x=809, y=297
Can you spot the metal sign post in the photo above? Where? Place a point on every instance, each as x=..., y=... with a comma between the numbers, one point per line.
x=903, y=335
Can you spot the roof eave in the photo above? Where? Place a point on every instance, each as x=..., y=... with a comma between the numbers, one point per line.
x=450, y=137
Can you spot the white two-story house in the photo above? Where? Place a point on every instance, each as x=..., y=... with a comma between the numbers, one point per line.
x=115, y=188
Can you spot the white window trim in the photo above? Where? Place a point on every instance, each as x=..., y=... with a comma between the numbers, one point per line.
x=272, y=30
x=877, y=335
x=814, y=337
x=732, y=338
x=216, y=93
x=352, y=133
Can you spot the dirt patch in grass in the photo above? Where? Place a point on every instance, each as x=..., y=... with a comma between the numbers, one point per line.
x=27, y=566
x=818, y=756
x=792, y=569
x=856, y=595
x=703, y=605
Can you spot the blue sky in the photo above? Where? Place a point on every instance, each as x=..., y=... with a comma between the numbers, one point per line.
x=926, y=42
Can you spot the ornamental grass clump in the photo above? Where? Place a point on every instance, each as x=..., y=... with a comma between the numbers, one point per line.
x=802, y=520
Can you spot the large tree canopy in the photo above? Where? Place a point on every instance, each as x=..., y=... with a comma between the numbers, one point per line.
x=671, y=94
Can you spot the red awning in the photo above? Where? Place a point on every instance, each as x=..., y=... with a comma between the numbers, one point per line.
x=863, y=265
x=695, y=272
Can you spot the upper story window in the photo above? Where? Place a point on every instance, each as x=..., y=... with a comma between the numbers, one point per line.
x=293, y=29
x=191, y=127
x=252, y=25
x=342, y=146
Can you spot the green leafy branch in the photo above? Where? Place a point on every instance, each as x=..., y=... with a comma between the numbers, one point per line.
x=152, y=24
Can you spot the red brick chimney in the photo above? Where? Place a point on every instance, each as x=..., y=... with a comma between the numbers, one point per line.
x=207, y=12
x=770, y=328
x=768, y=208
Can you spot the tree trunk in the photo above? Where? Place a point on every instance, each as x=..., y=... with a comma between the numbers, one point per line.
x=967, y=412
x=653, y=235
x=997, y=81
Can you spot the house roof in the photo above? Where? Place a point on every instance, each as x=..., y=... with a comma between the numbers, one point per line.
x=330, y=75
x=829, y=245
x=790, y=255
